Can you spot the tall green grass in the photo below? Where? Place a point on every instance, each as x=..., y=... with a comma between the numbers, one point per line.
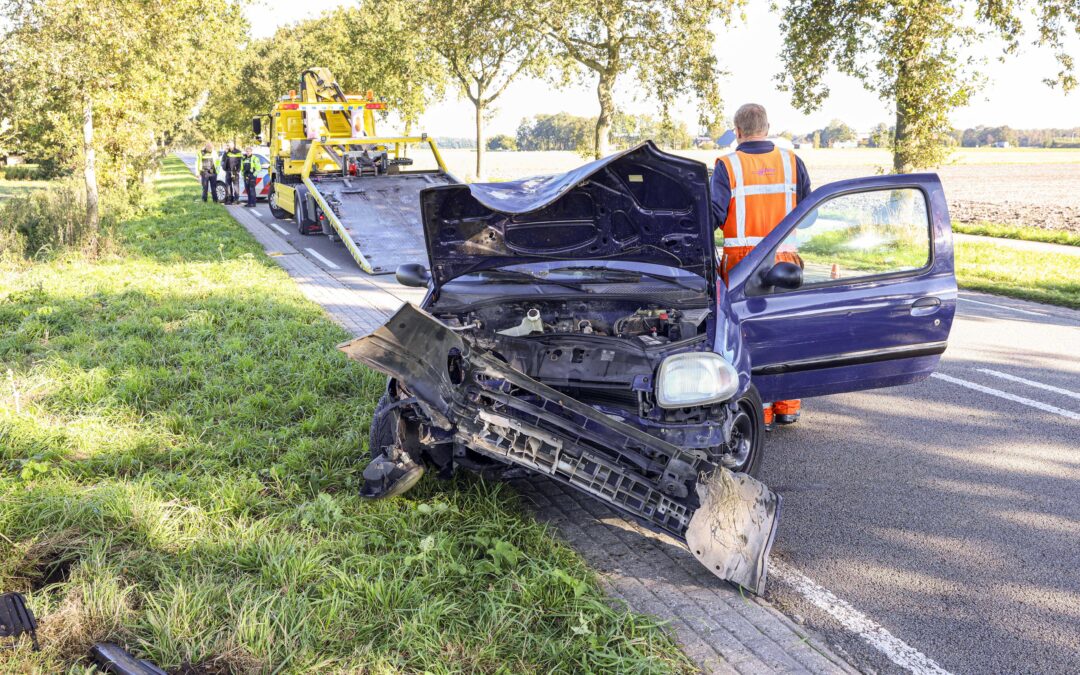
x=1003, y=231
x=180, y=448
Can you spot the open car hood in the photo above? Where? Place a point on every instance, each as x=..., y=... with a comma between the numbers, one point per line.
x=637, y=205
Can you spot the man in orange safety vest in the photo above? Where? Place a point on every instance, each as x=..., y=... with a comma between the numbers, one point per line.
x=753, y=188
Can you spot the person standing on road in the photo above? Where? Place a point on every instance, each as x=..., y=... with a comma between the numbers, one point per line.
x=208, y=171
x=230, y=160
x=250, y=166
x=753, y=188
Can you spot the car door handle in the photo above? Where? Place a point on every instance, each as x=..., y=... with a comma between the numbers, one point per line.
x=925, y=306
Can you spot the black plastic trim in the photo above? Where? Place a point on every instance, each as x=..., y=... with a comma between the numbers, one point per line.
x=853, y=358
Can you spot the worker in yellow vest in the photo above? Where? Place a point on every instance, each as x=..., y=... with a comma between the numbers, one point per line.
x=753, y=188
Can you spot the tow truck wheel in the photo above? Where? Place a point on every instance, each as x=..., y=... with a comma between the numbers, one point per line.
x=747, y=446
x=301, y=226
x=275, y=210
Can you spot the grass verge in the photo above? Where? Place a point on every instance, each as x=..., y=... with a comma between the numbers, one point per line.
x=16, y=188
x=180, y=446
x=1018, y=273
x=1002, y=231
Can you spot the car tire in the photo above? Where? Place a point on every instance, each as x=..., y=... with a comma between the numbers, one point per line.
x=748, y=435
x=271, y=200
x=382, y=427
x=219, y=191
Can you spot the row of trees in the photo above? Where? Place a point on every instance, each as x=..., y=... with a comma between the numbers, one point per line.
x=410, y=51
x=115, y=82
x=1032, y=138
x=563, y=131
x=911, y=53
x=103, y=87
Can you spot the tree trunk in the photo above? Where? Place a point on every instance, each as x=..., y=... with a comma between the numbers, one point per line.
x=479, y=138
x=93, y=219
x=901, y=163
x=607, y=112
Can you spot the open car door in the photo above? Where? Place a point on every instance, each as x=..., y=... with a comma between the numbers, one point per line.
x=874, y=300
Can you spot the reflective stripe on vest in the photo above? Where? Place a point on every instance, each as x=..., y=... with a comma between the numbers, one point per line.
x=762, y=214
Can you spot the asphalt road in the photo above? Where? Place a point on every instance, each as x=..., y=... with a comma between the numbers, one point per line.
x=947, y=512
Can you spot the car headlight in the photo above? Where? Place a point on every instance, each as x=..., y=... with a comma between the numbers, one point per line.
x=699, y=378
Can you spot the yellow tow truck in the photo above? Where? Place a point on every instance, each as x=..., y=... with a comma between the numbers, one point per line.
x=331, y=173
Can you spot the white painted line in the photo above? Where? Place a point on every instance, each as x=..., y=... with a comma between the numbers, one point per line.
x=1011, y=309
x=1009, y=397
x=877, y=636
x=279, y=229
x=1030, y=383
x=321, y=259
x=255, y=211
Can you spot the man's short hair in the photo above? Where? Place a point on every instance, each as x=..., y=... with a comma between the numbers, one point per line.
x=751, y=120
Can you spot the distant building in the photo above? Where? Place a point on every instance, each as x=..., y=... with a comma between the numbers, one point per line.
x=1000, y=144
x=844, y=144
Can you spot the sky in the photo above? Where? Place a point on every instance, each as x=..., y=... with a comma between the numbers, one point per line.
x=749, y=51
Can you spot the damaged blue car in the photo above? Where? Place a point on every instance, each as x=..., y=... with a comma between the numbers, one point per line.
x=575, y=326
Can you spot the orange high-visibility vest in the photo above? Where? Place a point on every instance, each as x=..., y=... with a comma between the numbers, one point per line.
x=763, y=191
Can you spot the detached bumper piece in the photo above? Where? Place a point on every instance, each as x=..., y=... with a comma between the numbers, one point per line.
x=471, y=398
x=112, y=658
x=16, y=619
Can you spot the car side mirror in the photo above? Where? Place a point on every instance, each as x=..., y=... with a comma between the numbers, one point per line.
x=256, y=126
x=783, y=275
x=413, y=274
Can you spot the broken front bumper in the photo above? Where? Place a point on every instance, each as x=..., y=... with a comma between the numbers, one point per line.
x=478, y=401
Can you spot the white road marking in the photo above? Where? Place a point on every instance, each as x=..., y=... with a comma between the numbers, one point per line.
x=279, y=229
x=877, y=636
x=321, y=259
x=1009, y=397
x=1011, y=309
x=1030, y=383
x=255, y=211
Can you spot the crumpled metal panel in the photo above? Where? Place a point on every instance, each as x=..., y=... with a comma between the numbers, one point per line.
x=732, y=531
x=501, y=413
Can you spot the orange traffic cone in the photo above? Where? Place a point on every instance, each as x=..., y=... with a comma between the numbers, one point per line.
x=835, y=274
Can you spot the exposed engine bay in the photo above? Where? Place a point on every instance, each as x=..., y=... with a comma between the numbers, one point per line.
x=463, y=392
x=601, y=351
x=647, y=325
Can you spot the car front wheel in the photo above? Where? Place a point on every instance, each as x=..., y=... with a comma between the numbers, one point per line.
x=219, y=190
x=747, y=447
x=382, y=427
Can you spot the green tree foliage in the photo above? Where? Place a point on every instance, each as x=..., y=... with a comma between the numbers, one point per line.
x=486, y=45
x=560, y=131
x=909, y=53
x=375, y=45
x=665, y=44
x=502, y=142
x=563, y=131
x=881, y=136
x=113, y=79
x=836, y=132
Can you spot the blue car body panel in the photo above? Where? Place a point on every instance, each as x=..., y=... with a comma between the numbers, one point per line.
x=643, y=205
x=637, y=205
x=851, y=334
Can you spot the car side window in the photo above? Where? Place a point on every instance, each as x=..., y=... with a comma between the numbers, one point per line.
x=861, y=234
